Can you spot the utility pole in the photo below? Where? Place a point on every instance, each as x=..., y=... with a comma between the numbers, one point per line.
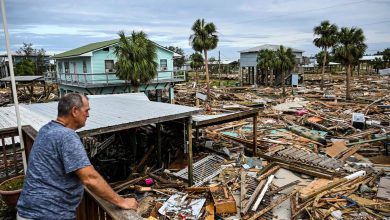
x=13, y=85
x=219, y=66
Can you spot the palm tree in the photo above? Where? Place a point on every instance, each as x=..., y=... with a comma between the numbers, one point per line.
x=136, y=58
x=349, y=49
x=291, y=60
x=265, y=61
x=386, y=56
x=327, y=38
x=196, y=63
x=377, y=64
x=320, y=58
x=286, y=62
x=204, y=38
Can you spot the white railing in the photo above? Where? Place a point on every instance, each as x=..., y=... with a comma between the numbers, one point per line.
x=91, y=79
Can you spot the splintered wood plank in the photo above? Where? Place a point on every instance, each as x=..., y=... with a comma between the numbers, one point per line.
x=350, y=152
x=336, y=149
x=243, y=189
x=339, y=147
x=210, y=212
x=313, y=186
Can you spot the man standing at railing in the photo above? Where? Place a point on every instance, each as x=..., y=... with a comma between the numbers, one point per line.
x=59, y=167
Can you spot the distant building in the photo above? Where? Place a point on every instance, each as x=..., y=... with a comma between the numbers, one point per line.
x=248, y=61
x=90, y=70
x=17, y=58
x=371, y=57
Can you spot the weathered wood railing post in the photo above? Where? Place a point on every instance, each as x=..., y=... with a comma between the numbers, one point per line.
x=254, y=135
x=11, y=153
x=29, y=134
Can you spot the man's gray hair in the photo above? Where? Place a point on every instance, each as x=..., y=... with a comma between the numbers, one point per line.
x=68, y=101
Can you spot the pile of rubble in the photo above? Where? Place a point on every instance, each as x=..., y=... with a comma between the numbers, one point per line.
x=30, y=94
x=320, y=157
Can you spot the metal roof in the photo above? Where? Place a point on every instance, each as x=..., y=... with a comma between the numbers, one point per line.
x=200, y=118
x=108, y=113
x=22, y=78
x=273, y=47
x=95, y=46
x=371, y=57
x=209, y=120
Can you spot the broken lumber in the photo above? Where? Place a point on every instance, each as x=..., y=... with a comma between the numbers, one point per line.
x=272, y=205
x=263, y=191
x=224, y=201
x=253, y=197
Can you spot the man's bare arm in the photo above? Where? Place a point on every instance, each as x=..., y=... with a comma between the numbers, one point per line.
x=95, y=182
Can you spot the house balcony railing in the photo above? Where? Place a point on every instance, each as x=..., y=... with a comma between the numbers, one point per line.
x=110, y=78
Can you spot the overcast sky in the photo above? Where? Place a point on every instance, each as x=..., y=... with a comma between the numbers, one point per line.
x=62, y=25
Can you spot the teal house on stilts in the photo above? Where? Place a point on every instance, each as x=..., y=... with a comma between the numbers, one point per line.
x=90, y=70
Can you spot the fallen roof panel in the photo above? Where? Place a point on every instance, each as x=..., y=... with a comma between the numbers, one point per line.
x=23, y=78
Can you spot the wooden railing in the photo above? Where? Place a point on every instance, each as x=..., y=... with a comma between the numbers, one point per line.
x=11, y=162
x=110, y=78
x=11, y=165
x=93, y=207
x=50, y=76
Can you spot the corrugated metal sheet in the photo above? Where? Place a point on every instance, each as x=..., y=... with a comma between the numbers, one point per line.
x=133, y=96
x=106, y=111
x=199, y=118
x=8, y=120
x=22, y=78
x=273, y=47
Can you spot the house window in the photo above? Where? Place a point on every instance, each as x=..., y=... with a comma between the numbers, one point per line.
x=109, y=66
x=163, y=64
x=84, y=66
x=66, y=63
x=59, y=67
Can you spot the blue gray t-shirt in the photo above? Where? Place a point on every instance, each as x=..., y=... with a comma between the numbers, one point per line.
x=52, y=189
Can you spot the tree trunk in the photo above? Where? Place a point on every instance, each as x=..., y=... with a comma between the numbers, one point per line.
x=206, y=64
x=271, y=78
x=348, y=96
x=323, y=69
x=266, y=78
x=196, y=76
x=283, y=82
x=133, y=87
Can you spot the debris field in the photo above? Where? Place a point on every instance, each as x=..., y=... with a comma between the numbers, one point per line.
x=318, y=156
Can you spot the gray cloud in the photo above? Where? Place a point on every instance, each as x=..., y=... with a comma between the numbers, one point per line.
x=63, y=25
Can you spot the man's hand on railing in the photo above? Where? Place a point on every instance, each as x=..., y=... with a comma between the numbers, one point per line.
x=129, y=203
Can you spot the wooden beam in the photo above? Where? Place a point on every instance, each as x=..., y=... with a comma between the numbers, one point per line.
x=190, y=161
x=227, y=118
x=263, y=191
x=253, y=197
x=158, y=144
x=254, y=135
x=274, y=203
